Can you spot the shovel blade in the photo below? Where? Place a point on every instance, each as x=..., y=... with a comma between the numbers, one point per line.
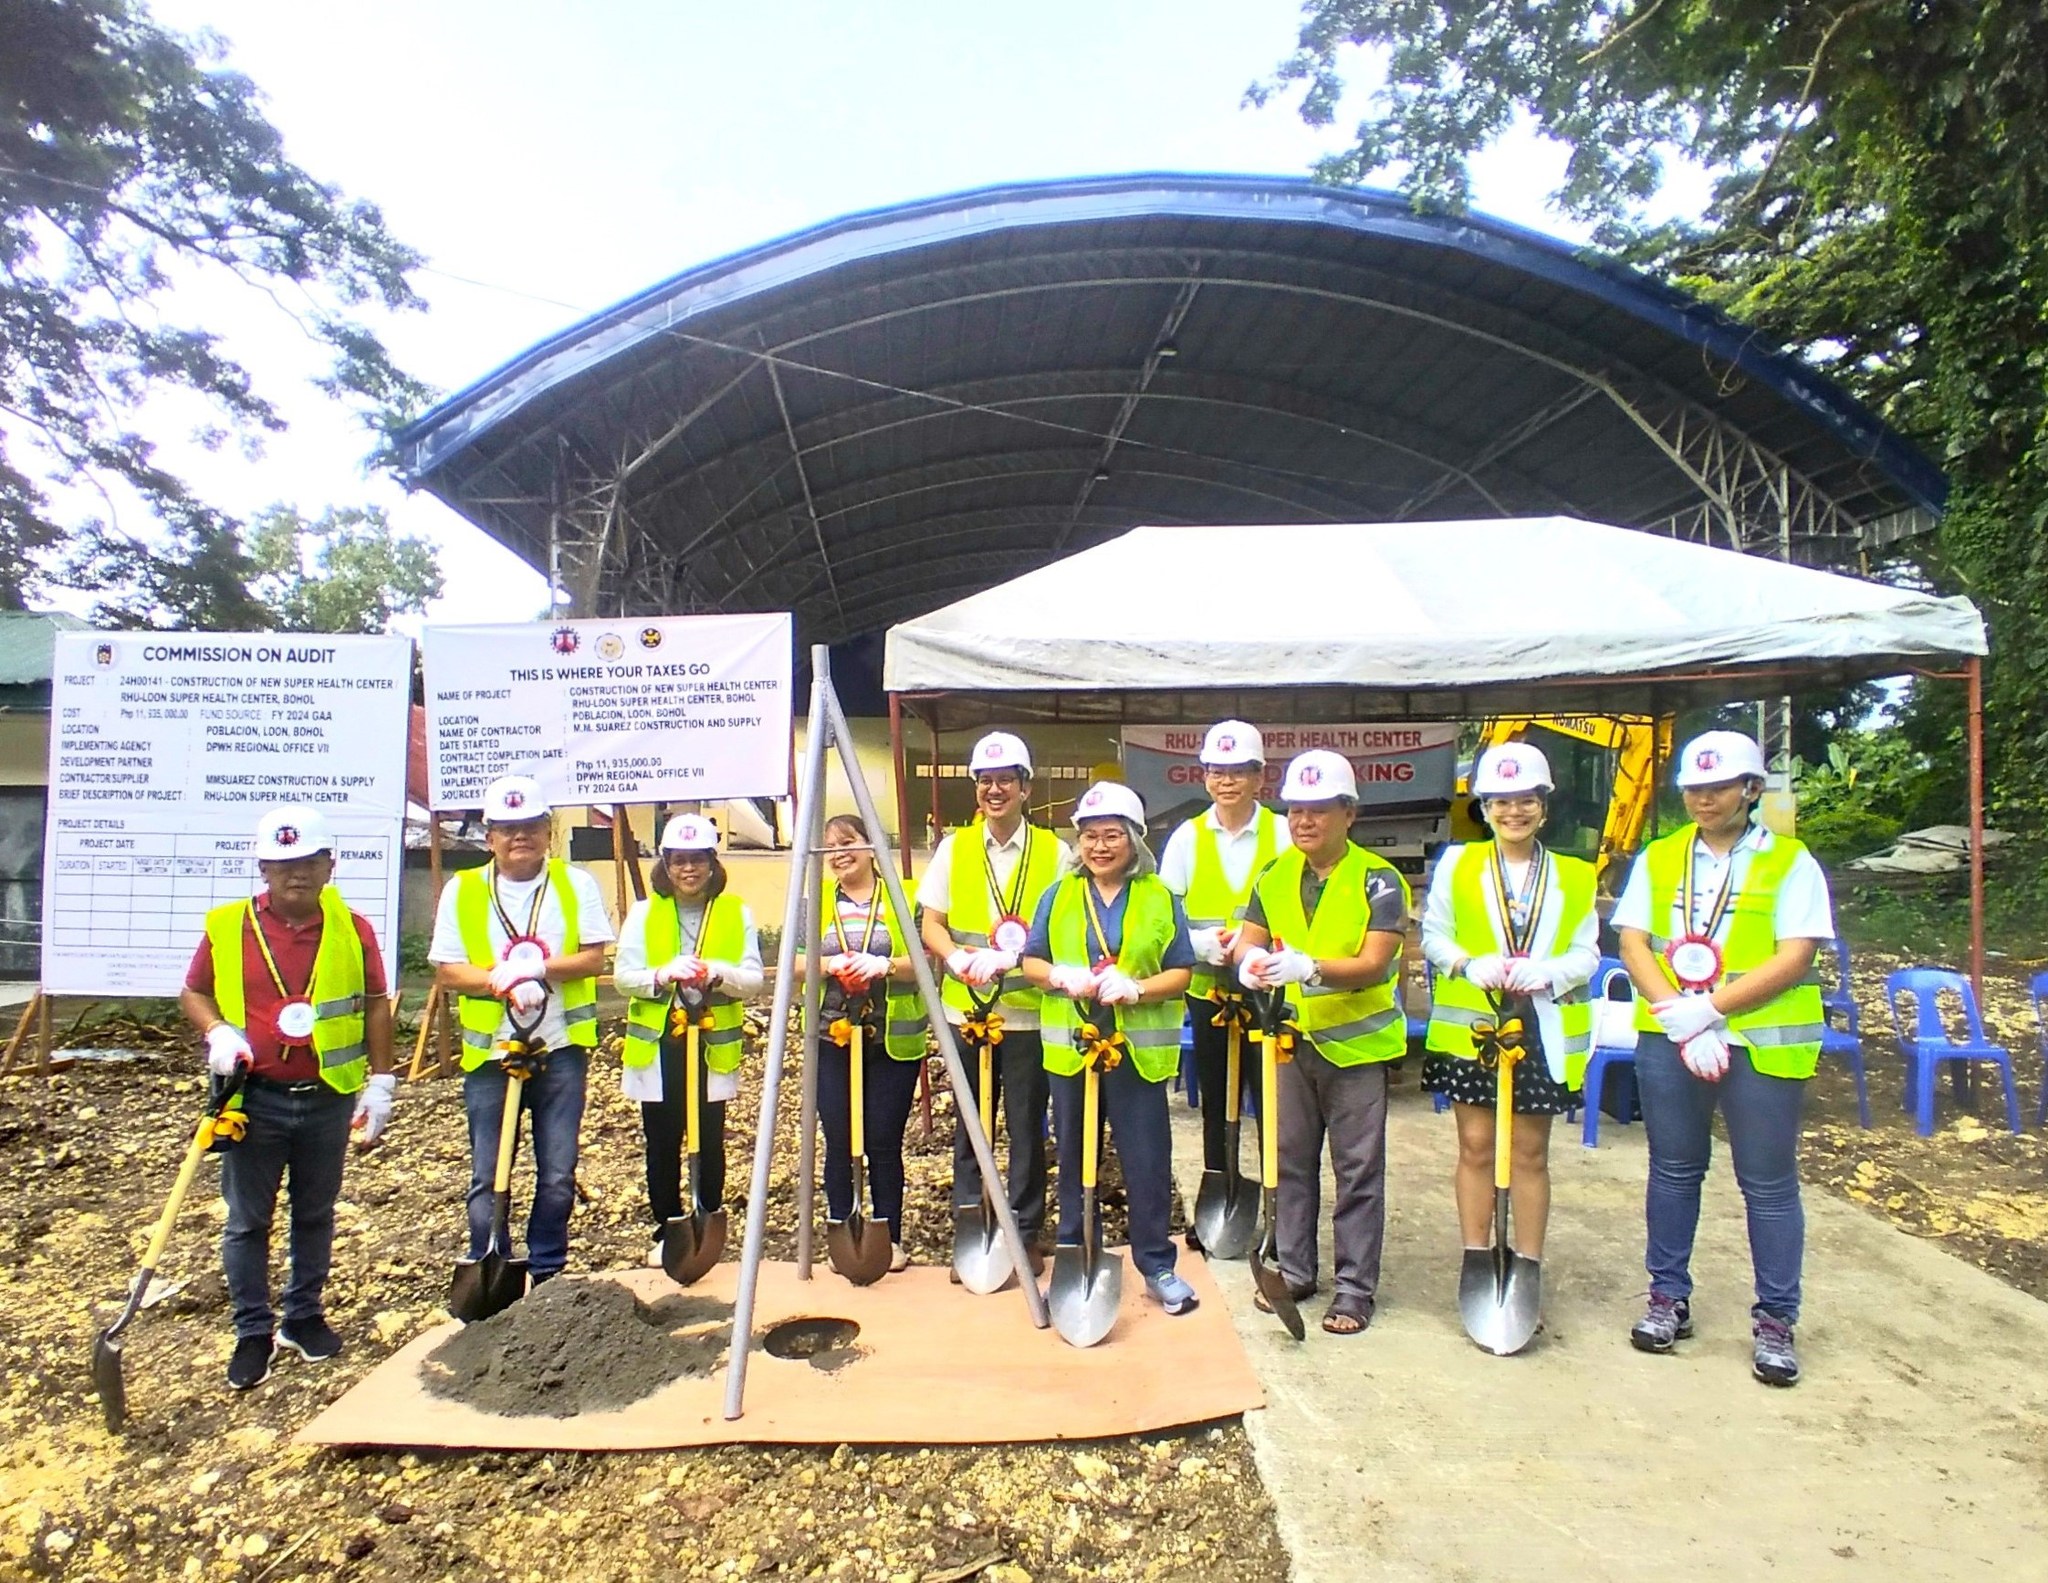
x=1084, y=1299
x=981, y=1258
x=858, y=1248
x=1268, y=1279
x=1500, y=1298
x=108, y=1383
x=691, y=1244
x=1227, y=1214
x=486, y=1286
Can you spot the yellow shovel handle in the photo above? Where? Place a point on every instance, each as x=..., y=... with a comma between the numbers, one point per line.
x=202, y=1140
x=986, y=1097
x=1269, y=1116
x=690, y=1089
x=1503, y=1120
x=508, y=1134
x=855, y=1096
x=1091, y=1105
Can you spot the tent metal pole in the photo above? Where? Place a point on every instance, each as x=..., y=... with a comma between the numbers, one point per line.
x=1976, y=676
x=809, y=783
x=901, y=766
x=966, y=1112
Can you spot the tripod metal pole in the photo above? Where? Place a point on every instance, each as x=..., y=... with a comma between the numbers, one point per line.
x=810, y=783
x=967, y=1115
x=811, y=878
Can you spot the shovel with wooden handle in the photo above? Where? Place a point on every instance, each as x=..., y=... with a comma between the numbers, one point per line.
x=692, y=1242
x=1266, y=1275
x=1227, y=1203
x=1086, y=1288
x=1500, y=1292
x=106, y=1349
x=492, y=1283
x=857, y=1246
x=981, y=1255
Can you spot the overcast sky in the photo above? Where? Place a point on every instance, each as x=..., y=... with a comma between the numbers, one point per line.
x=551, y=160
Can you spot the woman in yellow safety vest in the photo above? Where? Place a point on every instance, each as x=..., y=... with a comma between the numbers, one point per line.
x=691, y=935
x=1113, y=937
x=867, y=955
x=1506, y=921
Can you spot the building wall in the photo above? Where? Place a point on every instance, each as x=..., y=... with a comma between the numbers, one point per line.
x=24, y=748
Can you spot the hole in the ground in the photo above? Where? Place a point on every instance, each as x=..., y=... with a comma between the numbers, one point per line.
x=822, y=1343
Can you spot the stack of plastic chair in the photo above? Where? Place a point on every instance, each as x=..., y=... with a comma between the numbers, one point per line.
x=1846, y=1039
x=2039, y=990
x=1929, y=1044
x=1614, y=1042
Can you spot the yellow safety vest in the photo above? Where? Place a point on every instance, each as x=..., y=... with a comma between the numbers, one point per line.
x=905, y=1023
x=1349, y=1026
x=1783, y=1034
x=1152, y=1030
x=1457, y=1004
x=1212, y=901
x=970, y=911
x=336, y=992
x=723, y=938
x=481, y=1014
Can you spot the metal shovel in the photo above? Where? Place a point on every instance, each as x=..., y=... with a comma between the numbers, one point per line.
x=1500, y=1293
x=981, y=1256
x=857, y=1246
x=106, y=1350
x=1266, y=1274
x=491, y=1284
x=1086, y=1288
x=1227, y=1204
x=691, y=1243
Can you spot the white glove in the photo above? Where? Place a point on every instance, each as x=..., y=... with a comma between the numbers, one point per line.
x=642, y=1082
x=958, y=962
x=1284, y=966
x=506, y=974
x=1116, y=988
x=985, y=967
x=866, y=966
x=679, y=970
x=373, y=1108
x=725, y=975
x=527, y=996
x=226, y=1049
x=1212, y=945
x=1527, y=976
x=1075, y=981
x=1248, y=965
x=1487, y=972
x=1705, y=1054
x=1683, y=1017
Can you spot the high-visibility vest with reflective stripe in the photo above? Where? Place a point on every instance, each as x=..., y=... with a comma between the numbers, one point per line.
x=1212, y=901
x=1457, y=1004
x=903, y=1033
x=481, y=1014
x=970, y=910
x=723, y=938
x=1152, y=1029
x=336, y=991
x=1349, y=1026
x=1783, y=1034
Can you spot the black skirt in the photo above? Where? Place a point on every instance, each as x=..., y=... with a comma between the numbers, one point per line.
x=1466, y=1082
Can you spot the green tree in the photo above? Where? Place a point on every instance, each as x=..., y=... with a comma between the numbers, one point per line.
x=130, y=162
x=344, y=571
x=1880, y=202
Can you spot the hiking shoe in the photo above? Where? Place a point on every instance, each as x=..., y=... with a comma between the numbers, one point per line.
x=250, y=1366
x=1773, y=1361
x=1667, y=1320
x=1171, y=1293
x=312, y=1339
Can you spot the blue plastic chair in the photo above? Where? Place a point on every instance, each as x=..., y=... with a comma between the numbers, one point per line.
x=1845, y=1040
x=1606, y=977
x=1187, y=1078
x=1418, y=1033
x=1929, y=1044
x=2039, y=989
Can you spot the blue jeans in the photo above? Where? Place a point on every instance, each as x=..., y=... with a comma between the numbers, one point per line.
x=1762, y=1114
x=305, y=1133
x=1134, y=1113
x=554, y=1099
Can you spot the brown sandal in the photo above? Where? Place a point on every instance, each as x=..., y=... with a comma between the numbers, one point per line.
x=1300, y=1294
x=1347, y=1316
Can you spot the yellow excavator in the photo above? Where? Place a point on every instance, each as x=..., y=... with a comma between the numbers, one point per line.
x=1605, y=767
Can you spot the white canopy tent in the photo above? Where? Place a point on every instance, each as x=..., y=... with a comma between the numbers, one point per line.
x=1413, y=620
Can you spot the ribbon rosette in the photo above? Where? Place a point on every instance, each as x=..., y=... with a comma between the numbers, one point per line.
x=1104, y=1050
x=1499, y=1038
x=1232, y=1011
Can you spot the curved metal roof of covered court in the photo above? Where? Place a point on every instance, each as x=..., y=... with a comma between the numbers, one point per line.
x=874, y=417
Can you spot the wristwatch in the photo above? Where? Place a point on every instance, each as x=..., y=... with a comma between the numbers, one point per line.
x=1315, y=973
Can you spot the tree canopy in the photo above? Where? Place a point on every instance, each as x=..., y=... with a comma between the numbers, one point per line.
x=1880, y=202
x=131, y=163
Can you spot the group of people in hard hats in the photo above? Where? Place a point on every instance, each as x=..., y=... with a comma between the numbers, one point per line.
x=1061, y=958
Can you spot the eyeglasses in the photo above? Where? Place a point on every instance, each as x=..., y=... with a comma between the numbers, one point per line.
x=1232, y=772
x=521, y=829
x=1515, y=804
x=1101, y=837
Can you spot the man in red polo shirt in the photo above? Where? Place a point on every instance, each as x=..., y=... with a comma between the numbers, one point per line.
x=291, y=985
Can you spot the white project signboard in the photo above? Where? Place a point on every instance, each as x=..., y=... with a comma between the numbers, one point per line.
x=167, y=747
x=647, y=709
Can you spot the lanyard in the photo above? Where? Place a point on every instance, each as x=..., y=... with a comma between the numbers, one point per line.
x=1095, y=919
x=1006, y=908
x=1520, y=913
x=689, y=947
x=512, y=932
x=1723, y=899
x=867, y=937
x=269, y=961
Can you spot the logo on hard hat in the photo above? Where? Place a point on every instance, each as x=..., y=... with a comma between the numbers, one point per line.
x=1093, y=799
x=1508, y=769
x=1311, y=775
x=1226, y=744
x=287, y=835
x=514, y=798
x=566, y=640
x=1707, y=759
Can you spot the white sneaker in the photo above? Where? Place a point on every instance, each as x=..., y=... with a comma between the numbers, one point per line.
x=654, y=1253
x=899, y=1260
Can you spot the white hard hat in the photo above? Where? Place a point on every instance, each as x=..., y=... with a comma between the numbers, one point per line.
x=1233, y=742
x=1511, y=769
x=512, y=798
x=999, y=751
x=1318, y=776
x=1108, y=800
x=1713, y=758
x=286, y=833
x=689, y=832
